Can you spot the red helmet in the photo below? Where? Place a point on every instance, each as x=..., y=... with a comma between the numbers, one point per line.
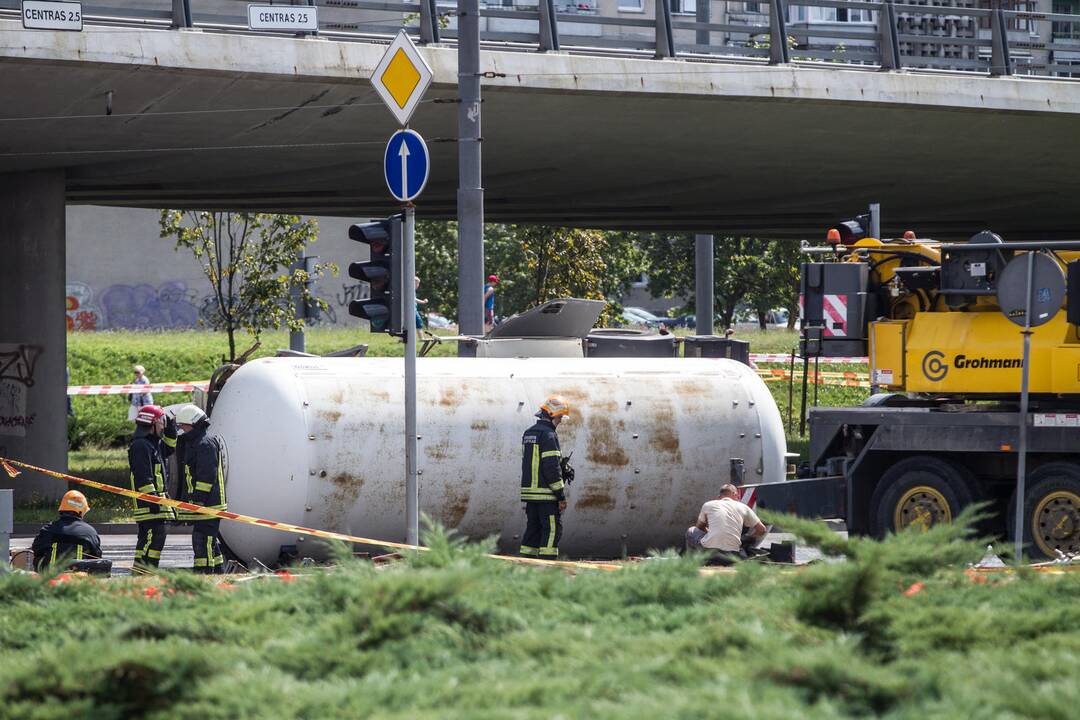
x=149, y=414
x=493, y=279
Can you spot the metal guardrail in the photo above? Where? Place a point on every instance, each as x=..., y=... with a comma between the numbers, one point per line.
x=886, y=35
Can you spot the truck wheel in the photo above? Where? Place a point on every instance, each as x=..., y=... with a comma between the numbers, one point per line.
x=919, y=492
x=1051, y=511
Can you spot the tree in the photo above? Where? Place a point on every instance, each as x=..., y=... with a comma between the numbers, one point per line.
x=534, y=264
x=248, y=258
x=745, y=270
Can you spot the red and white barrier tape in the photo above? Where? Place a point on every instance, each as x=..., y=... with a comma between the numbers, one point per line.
x=786, y=358
x=146, y=388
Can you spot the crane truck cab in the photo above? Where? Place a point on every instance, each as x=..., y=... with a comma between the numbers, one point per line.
x=940, y=429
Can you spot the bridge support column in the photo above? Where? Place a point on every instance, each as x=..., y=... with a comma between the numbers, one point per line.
x=703, y=284
x=33, y=330
x=470, y=195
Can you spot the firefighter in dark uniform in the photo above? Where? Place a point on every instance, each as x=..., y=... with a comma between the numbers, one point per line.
x=543, y=482
x=202, y=482
x=154, y=440
x=68, y=537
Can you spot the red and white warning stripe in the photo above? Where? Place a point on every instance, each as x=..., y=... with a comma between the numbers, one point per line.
x=834, y=310
x=145, y=388
x=749, y=496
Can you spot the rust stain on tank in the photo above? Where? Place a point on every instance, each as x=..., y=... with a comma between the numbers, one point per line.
x=330, y=416
x=595, y=499
x=347, y=481
x=338, y=396
x=665, y=440
x=438, y=451
x=455, y=511
x=450, y=397
x=478, y=425
x=604, y=448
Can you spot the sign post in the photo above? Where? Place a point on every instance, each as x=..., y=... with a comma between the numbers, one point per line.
x=401, y=78
x=1030, y=292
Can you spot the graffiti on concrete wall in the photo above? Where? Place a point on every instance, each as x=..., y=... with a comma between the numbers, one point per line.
x=144, y=307
x=170, y=305
x=82, y=314
x=356, y=291
x=17, y=365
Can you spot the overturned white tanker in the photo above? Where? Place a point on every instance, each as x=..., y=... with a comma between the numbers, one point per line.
x=319, y=442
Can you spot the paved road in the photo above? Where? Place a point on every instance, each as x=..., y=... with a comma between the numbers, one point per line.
x=121, y=549
x=177, y=553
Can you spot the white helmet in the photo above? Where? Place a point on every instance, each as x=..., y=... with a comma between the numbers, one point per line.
x=189, y=415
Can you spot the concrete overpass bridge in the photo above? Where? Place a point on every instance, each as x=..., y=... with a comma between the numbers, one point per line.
x=601, y=133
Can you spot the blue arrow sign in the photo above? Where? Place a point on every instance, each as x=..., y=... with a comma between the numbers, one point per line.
x=406, y=165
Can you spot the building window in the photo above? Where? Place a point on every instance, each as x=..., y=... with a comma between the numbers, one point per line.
x=810, y=14
x=631, y=5
x=1065, y=30
x=684, y=6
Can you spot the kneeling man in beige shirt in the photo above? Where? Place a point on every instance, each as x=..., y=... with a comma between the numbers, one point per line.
x=721, y=521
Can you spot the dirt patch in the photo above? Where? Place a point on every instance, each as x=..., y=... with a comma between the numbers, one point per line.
x=338, y=396
x=478, y=425
x=604, y=447
x=595, y=498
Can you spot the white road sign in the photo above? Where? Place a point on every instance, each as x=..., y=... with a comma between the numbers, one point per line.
x=283, y=18
x=402, y=77
x=51, y=15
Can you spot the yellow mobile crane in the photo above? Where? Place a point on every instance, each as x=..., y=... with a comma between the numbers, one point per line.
x=940, y=430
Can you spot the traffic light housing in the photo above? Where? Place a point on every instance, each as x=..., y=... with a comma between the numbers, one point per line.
x=382, y=272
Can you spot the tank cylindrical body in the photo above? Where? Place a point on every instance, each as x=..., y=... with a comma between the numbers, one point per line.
x=318, y=442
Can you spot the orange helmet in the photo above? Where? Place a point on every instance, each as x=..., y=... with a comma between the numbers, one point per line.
x=555, y=406
x=74, y=501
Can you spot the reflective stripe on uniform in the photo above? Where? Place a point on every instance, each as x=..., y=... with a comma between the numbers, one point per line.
x=55, y=547
x=155, y=554
x=78, y=552
x=203, y=486
x=550, y=544
x=557, y=485
x=169, y=442
x=528, y=550
x=541, y=495
x=145, y=551
x=535, y=467
x=551, y=453
x=147, y=488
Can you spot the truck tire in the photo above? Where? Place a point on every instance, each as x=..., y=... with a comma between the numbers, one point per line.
x=1051, y=511
x=921, y=490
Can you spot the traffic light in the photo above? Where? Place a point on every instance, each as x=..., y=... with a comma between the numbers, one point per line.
x=382, y=272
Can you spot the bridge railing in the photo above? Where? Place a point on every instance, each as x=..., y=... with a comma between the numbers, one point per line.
x=1009, y=38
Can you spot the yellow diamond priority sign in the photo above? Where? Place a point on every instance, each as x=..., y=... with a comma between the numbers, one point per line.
x=402, y=77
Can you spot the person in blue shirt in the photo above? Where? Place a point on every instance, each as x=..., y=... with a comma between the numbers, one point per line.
x=489, y=302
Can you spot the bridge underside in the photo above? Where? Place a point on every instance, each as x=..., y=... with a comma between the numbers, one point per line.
x=730, y=160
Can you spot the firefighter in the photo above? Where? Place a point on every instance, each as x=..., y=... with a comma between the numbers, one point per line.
x=202, y=482
x=68, y=537
x=154, y=440
x=543, y=481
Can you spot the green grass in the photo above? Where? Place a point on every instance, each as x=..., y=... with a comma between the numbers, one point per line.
x=450, y=634
x=106, y=358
